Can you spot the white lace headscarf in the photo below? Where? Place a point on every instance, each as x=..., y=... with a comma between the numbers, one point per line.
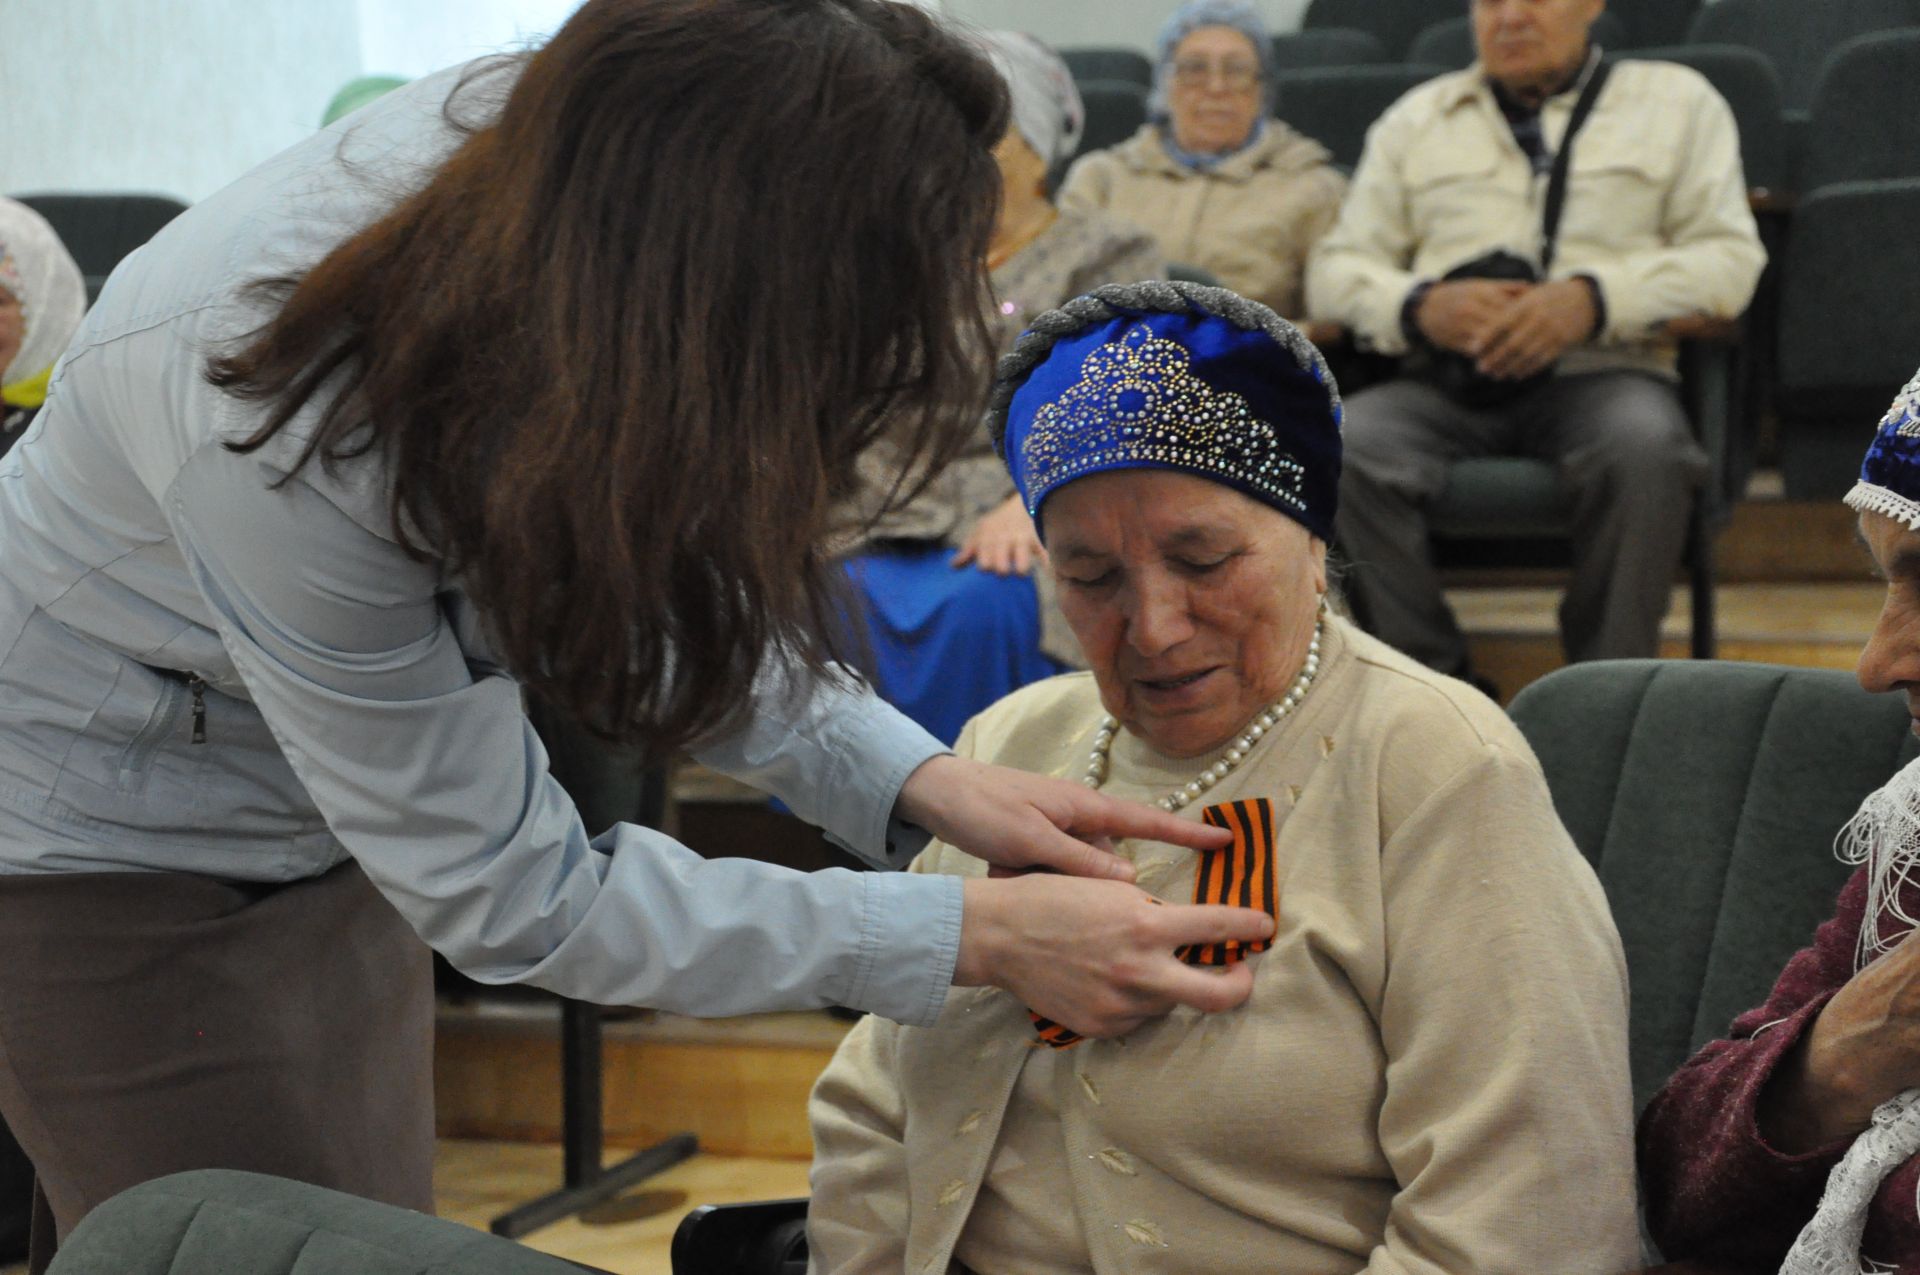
x=1047, y=110
x=1884, y=836
x=36, y=268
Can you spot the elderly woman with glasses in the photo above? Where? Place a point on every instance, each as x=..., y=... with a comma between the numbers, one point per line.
x=1429, y=1072
x=1217, y=181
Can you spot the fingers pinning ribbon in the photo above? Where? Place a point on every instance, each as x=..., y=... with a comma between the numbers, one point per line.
x=1239, y=875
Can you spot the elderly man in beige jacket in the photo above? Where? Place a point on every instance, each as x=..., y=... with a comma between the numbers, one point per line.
x=1656, y=226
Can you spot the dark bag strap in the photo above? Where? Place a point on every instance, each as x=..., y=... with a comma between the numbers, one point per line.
x=1563, y=163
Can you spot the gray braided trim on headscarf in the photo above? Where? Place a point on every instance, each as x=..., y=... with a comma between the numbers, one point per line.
x=1154, y=296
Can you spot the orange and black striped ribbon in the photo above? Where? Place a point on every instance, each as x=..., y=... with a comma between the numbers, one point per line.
x=1241, y=875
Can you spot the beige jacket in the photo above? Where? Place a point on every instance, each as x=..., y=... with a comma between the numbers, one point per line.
x=1251, y=221
x=1656, y=208
x=1430, y=1076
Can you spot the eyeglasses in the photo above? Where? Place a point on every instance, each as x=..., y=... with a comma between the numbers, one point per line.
x=1235, y=76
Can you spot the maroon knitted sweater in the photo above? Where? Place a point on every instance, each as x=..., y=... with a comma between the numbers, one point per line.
x=1715, y=1191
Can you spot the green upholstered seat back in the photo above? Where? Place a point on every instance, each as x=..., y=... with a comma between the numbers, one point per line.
x=1707, y=796
x=1337, y=105
x=1864, y=127
x=101, y=229
x=220, y=1220
x=1109, y=63
x=1798, y=35
x=1393, y=22
x=1327, y=46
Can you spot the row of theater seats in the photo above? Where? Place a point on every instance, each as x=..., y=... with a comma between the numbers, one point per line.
x=1836, y=186
x=1794, y=35
x=1791, y=70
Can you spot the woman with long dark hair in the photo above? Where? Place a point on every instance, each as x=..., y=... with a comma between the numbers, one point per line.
x=545, y=372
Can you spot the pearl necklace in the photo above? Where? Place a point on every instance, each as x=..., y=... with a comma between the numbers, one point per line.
x=1236, y=752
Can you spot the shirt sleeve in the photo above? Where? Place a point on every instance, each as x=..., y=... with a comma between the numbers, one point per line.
x=1711, y=257
x=1716, y=1191
x=1358, y=275
x=427, y=770
x=1508, y=1109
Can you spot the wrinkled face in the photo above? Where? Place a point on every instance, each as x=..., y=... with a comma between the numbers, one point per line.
x=1193, y=602
x=1530, y=42
x=1216, y=94
x=1891, y=660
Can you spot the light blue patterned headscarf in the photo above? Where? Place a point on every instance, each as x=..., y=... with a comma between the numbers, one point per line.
x=1190, y=17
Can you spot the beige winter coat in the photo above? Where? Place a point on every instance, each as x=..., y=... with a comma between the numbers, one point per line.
x=1250, y=222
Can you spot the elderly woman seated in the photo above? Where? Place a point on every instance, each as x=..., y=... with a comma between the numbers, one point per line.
x=1218, y=182
x=42, y=299
x=1794, y=1145
x=1427, y=1066
x=954, y=618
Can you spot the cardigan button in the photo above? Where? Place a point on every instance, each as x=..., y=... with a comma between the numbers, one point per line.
x=971, y=1123
x=1118, y=1161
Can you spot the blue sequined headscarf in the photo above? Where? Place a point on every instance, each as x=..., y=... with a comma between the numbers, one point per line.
x=1171, y=376
x=1890, y=476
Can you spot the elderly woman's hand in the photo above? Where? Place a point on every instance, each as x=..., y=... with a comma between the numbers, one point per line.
x=1098, y=956
x=13, y=328
x=1863, y=1049
x=1003, y=543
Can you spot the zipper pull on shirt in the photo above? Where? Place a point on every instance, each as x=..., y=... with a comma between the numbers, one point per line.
x=198, y=686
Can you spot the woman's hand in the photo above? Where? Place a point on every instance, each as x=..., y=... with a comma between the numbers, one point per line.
x=1863, y=1049
x=1003, y=543
x=1016, y=820
x=1098, y=956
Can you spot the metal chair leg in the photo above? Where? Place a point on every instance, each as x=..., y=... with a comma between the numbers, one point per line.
x=583, y=1135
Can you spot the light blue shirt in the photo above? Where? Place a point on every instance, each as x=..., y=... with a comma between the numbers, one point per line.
x=352, y=707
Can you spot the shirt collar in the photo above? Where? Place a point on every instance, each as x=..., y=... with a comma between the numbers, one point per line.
x=1472, y=84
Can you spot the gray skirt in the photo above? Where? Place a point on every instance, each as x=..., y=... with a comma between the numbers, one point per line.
x=152, y=1023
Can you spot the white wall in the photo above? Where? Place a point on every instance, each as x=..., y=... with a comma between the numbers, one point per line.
x=1124, y=22
x=182, y=96
x=413, y=37
x=177, y=97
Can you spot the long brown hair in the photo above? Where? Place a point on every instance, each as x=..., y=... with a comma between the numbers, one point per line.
x=620, y=353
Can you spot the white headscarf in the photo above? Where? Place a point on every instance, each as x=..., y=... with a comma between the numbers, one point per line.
x=1047, y=110
x=1885, y=837
x=36, y=267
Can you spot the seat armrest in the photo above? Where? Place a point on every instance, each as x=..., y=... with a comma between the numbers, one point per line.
x=1707, y=328
x=1324, y=333
x=1711, y=350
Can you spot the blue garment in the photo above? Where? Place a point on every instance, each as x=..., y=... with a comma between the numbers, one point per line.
x=204, y=672
x=945, y=642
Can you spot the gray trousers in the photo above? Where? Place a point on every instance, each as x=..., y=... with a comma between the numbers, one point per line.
x=1628, y=462
x=153, y=1022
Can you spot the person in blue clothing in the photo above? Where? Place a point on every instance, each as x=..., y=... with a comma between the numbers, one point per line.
x=545, y=372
